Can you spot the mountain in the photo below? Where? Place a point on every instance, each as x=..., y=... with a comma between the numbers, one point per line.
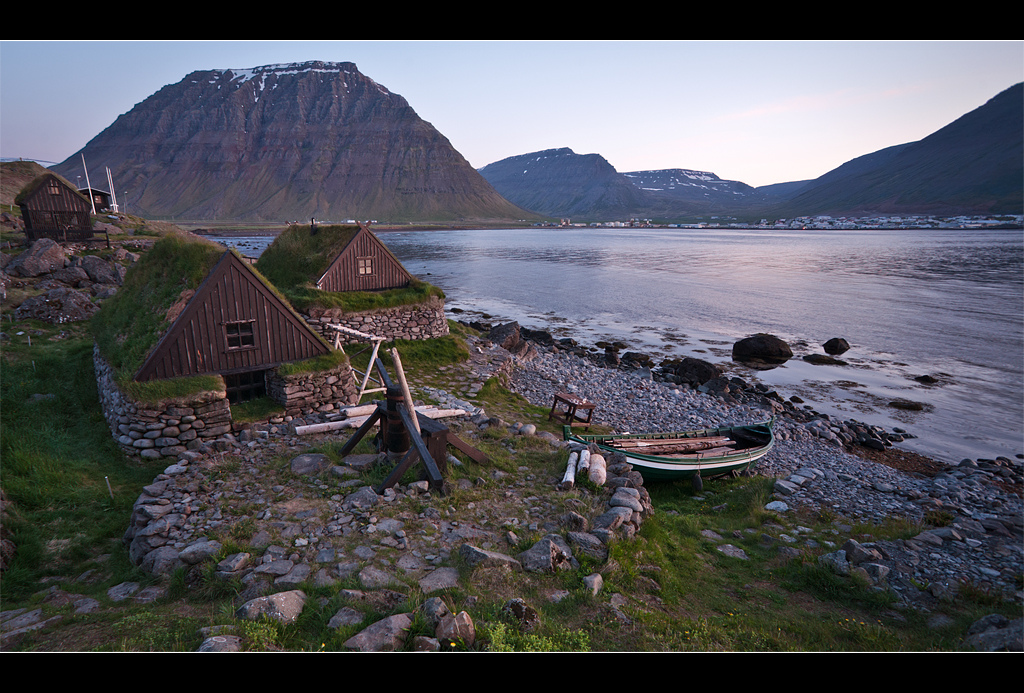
x=561, y=183
x=971, y=166
x=286, y=142
x=974, y=165
x=680, y=191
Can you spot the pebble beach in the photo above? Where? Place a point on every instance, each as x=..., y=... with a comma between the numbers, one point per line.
x=815, y=471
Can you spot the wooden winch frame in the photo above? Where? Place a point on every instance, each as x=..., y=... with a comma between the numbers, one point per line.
x=408, y=435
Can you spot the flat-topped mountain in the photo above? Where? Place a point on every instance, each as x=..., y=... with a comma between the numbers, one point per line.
x=286, y=142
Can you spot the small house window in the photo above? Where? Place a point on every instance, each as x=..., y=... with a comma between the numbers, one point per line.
x=240, y=334
x=54, y=190
x=364, y=265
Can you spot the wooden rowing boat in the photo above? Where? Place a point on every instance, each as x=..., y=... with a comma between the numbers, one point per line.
x=681, y=454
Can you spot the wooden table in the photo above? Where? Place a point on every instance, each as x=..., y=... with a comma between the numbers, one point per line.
x=573, y=406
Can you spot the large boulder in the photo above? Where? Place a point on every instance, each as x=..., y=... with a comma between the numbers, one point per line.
x=284, y=607
x=103, y=272
x=506, y=336
x=45, y=256
x=762, y=347
x=836, y=346
x=57, y=306
x=690, y=371
x=541, y=337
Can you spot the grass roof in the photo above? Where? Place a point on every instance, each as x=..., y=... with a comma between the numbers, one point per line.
x=298, y=258
x=131, y=322
x=34, y=184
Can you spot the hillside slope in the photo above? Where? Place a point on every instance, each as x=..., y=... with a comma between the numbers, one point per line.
x=974, y=165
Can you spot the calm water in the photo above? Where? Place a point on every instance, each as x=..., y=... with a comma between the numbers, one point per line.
x=944, y=303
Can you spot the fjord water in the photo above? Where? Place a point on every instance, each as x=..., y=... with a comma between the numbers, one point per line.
x=943, y=303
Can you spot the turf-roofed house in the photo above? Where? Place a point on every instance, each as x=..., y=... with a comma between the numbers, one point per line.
x=195, y=331
x=52, y=208
x=344, y=275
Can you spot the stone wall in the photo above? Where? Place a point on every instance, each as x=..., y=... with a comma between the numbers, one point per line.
x=321, y=391
x=169, y=429
x=417, y=321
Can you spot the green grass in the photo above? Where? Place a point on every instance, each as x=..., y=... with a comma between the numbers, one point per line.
x=155, y=391
x=58, y=459
x=324, y=362
x=306, y=297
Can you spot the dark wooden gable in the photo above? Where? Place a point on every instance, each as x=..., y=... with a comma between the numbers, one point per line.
x=99, y=198
x=53, y=209
x=365, y=264
x=234, y=323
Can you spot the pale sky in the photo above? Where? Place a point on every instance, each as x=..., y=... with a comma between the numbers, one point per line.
x=757, y=112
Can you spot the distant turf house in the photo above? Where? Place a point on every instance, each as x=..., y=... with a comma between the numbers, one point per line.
x=194, y=330
x=344, y=275
x=363, y=263
x=52, y=208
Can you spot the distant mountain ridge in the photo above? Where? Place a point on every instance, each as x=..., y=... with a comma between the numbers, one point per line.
x=321, y=140
x=282, y=142
x=561, y=183
x=972, y=166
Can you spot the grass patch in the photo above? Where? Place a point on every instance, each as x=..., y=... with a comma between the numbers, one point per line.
x=156, y=391
x=260, y=409
x=324, y=362
x=306, y=297
x=58, y=458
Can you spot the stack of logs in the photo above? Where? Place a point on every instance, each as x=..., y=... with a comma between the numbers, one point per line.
x=589, y=461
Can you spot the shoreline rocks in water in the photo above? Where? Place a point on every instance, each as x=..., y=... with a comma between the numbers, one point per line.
x=764, y=348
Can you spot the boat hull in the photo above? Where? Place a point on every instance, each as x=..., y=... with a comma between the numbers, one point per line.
x=759, y=439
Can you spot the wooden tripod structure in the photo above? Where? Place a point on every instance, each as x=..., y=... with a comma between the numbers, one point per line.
x=374, y=340
x=409, y=439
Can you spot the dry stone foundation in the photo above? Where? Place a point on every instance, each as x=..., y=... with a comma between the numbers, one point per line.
x=321, y=391
x=419, y=321
x=187, y=424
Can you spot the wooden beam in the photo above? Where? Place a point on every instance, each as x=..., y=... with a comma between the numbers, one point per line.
x=371, y=420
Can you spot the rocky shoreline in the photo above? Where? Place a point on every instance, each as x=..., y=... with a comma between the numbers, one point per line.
x=978, y=502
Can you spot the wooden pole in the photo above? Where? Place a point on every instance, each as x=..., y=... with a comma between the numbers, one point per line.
x=406, y=394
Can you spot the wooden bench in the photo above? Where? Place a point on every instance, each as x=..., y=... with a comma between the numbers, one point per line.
x=578, y=411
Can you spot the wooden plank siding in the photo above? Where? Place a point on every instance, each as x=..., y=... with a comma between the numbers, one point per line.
x=264, y=331
x=53, y=209
x=365, y=264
